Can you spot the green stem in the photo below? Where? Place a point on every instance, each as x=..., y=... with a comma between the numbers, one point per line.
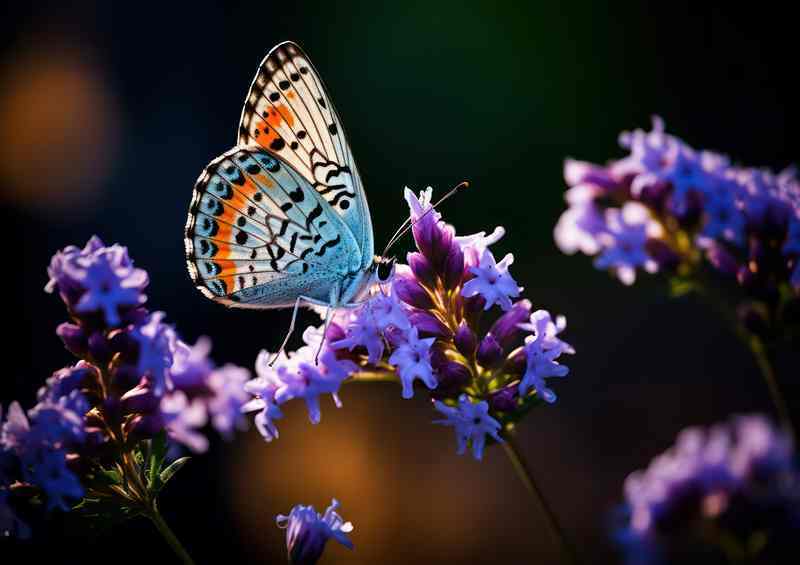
x=169, y=536
x=523, y=472
x=761, y=354
x=373, y=377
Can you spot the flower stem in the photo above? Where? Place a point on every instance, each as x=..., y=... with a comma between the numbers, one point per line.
x=169, y=536
x=523, y=472
x=762, y=357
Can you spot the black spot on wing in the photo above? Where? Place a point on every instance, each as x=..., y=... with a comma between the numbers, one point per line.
x=327, y=244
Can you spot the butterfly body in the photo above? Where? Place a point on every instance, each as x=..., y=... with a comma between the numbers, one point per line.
x=282, y=218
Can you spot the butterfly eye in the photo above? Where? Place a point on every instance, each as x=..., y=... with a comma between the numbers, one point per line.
x=385, y=270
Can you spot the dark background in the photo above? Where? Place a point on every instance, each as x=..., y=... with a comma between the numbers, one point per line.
x=108, y=113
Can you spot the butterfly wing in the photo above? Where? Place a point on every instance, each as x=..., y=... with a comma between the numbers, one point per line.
x=289, y=113
x=259, y=235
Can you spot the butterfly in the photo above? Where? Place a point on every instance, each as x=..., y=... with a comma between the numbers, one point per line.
x=281, y=220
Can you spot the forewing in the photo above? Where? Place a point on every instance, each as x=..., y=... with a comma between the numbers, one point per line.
x=259, y=235
x=288, y=112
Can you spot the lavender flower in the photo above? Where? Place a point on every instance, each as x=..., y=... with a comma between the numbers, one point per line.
x=228, y=396
x=412, y=358
x=657, y=206
x=426, y=325
x=734, y=479
x=307, y=532
x=98, y=279
x=472, y=423
x=492, y=281
x=135, y=381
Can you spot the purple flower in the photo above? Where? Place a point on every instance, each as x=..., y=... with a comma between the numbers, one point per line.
x=542, y=325
x=624, y=242
x=474, y=245
x=191, y=365
x=413, y=361
x=47, y=469
x=364, y=332
x=263, y=388
x=492, y=281
x=541, y=350
x=98, y=279
x=741, y=475
x=68, y=379
x=228, y=396
x=155, y=351
x=110, y=284
x=183, y=418
x=472, y=423
x=307, y=532
x=387, y=311
x=15, y=429
x=580, y=225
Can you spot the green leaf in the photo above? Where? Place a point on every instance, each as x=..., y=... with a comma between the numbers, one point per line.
x=158, y=451
x=173, y=468
x=112, y=475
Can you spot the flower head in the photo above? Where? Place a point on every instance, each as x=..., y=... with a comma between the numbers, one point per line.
x=413, y=360
x=472, y=423
x=740, y=476
x=307, y=532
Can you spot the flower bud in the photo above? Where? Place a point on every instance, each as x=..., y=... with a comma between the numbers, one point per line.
x=144, y=426
x=490, y=354
x=409, y=291
x=140, y=399
x=451, y=376
x=421, y=268
x=505, y=399
x=465, y=340
x=74, y=339
x=100, y=348
x=429, y=324
x=505, y=329
x=453, y=269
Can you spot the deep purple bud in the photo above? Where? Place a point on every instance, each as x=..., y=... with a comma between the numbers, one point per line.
x=505, y=329
x=663, y=254
x=722, y=259
x=505, y=399
x=453, y=269
x=452, y=375
x=433, y=240
x=466, y=341
x=410, y=292
x=140, y=399
x=490, y=354
x=100, y=348
x=421, y=268
x=74, y=339
x=429, y=324
x=145, y=426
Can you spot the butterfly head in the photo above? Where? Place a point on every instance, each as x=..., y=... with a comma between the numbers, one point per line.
x=384, y=268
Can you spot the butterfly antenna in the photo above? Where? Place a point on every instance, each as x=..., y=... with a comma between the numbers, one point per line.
x=408, y=224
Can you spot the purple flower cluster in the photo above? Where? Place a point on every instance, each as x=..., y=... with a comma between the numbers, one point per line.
x=135, y=379
x=307, y=532
x=734, y=480
x=423, y=329
x=666, y=206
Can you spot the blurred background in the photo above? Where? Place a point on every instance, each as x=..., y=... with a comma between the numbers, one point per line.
x=109, y=111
